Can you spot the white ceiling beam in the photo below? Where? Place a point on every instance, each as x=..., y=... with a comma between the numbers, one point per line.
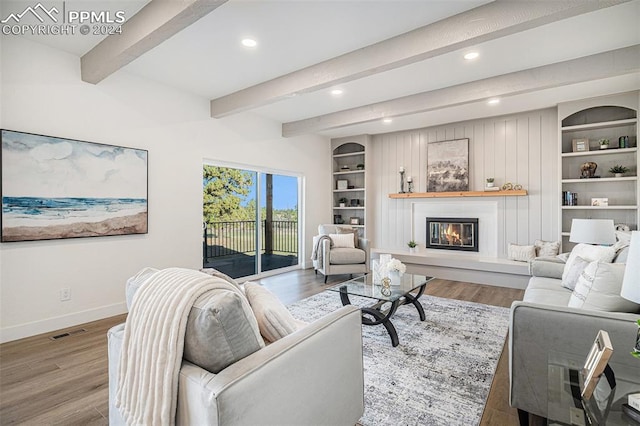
x=487, y=22
x=153, y=24
x=608, y=64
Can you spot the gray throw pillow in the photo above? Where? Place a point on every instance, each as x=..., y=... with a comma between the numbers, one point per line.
x=221, y=329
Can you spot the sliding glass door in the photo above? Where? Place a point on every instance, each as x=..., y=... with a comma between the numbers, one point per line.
x=250, y=221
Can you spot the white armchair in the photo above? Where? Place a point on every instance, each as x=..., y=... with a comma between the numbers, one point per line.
x=330, y=260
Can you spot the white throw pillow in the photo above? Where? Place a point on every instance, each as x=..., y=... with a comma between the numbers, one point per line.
x=590, y=253
x=571, y=277
x=274, y=319
x=598, y=288
x=546, y=248
x=342, y=240
x=521, y=253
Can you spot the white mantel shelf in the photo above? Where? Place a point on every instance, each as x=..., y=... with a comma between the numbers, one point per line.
x=511, y=193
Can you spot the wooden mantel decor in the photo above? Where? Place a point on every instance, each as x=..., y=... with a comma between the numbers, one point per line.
x=512, y=193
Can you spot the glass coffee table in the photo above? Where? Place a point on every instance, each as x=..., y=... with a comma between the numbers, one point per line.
x=384, y=306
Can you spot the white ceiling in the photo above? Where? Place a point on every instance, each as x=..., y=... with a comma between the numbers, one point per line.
x=207, y=59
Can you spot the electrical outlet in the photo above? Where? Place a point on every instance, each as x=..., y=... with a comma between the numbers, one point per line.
x=65, y=294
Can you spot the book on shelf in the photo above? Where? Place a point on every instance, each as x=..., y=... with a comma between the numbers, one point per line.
x=493, y=188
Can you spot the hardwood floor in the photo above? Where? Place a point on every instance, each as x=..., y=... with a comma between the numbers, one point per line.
x=65, y=381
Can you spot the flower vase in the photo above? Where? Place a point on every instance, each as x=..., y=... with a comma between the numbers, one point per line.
x=395, y=277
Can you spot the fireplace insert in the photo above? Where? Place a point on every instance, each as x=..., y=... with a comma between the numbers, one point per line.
x=452, y=233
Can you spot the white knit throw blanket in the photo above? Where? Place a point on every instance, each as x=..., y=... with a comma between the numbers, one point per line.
x=153, y=344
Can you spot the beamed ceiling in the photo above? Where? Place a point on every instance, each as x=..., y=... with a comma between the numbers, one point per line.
x=398, y=59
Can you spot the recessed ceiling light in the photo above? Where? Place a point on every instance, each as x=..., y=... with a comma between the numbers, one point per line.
x=249, y=42
x=494, y=101
x=387, y=120
x=471, y=55
x=337, y=92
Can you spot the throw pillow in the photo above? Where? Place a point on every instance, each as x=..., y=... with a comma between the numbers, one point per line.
x=274, y=320
x=572, y=275
x=521, y=253
x=342, y=240
x=598, y=288
x=563, y=257
x=589, y=252
x=343, y=230
x=221, y=330
x=546, y=248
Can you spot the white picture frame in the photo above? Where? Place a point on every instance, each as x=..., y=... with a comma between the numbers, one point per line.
x=342, y=184
x=595, y=363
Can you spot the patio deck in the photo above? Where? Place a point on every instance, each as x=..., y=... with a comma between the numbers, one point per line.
x=242, y=265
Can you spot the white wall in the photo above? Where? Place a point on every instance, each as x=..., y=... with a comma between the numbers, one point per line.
x=42, y=93
x=519, y=148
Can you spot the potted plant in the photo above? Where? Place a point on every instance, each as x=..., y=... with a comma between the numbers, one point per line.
x=604, y=143
x=343, y=202
x=360, y=166
x=490, y=182
x=618, y=170
x=413, y=246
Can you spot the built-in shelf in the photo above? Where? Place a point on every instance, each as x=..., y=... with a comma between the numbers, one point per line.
x=349, y=208
x=349, y=190
x=347, y=172
x=596, y=180
x=512, y=193
x=599, y=207
x=600, y=152
x=350, y=154
x=600, y=125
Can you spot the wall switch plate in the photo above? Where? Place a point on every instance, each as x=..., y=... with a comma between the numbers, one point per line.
x=65, y=294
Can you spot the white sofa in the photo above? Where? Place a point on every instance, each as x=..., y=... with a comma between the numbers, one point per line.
x=312, y=376
x=543, y=323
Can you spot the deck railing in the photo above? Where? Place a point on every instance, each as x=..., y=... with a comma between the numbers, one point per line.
x=228, y=238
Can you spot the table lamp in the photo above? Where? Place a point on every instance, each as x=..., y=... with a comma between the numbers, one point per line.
x=592, y=231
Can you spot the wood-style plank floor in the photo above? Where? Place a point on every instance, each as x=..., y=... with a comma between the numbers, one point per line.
x=65, y=381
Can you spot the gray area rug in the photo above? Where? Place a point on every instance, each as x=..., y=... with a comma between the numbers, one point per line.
x=441, y=372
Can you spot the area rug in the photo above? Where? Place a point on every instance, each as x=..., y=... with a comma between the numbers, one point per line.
x=441, y=372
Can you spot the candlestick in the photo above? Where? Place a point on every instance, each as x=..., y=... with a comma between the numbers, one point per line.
x=401, y=169
x=410, y=185
x=401, y=180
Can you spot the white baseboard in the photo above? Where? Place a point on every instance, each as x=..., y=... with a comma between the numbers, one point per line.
x=21, y=331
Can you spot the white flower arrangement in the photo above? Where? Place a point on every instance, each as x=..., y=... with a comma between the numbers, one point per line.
x=396, y=266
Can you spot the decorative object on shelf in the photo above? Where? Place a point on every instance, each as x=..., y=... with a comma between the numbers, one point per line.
x=490, y=182
x=599, y=202
x=343, y=202
x=623, y=141
x=401, y=179
x=410, y=184
x=56, y=188
x=622, y=227
x=342, y=184
x=413, y=246
x=337, y=219
x=588, y=170
x=569, y=198
x=517, y=187
x=386, y=287
x=354, y=221
x=355, y=202
x=604, y=143
x=618, y=170
x=345, y=168
x=580, y=145
x=507, y=186
x=448, y=166
x=360, y=166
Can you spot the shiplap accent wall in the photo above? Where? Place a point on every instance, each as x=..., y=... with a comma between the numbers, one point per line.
x=520, y=148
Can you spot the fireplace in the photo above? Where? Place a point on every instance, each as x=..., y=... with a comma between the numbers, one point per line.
x=452, y=233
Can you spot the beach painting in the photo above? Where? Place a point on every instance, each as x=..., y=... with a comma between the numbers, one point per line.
x=56, y=188
x=448, y=166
